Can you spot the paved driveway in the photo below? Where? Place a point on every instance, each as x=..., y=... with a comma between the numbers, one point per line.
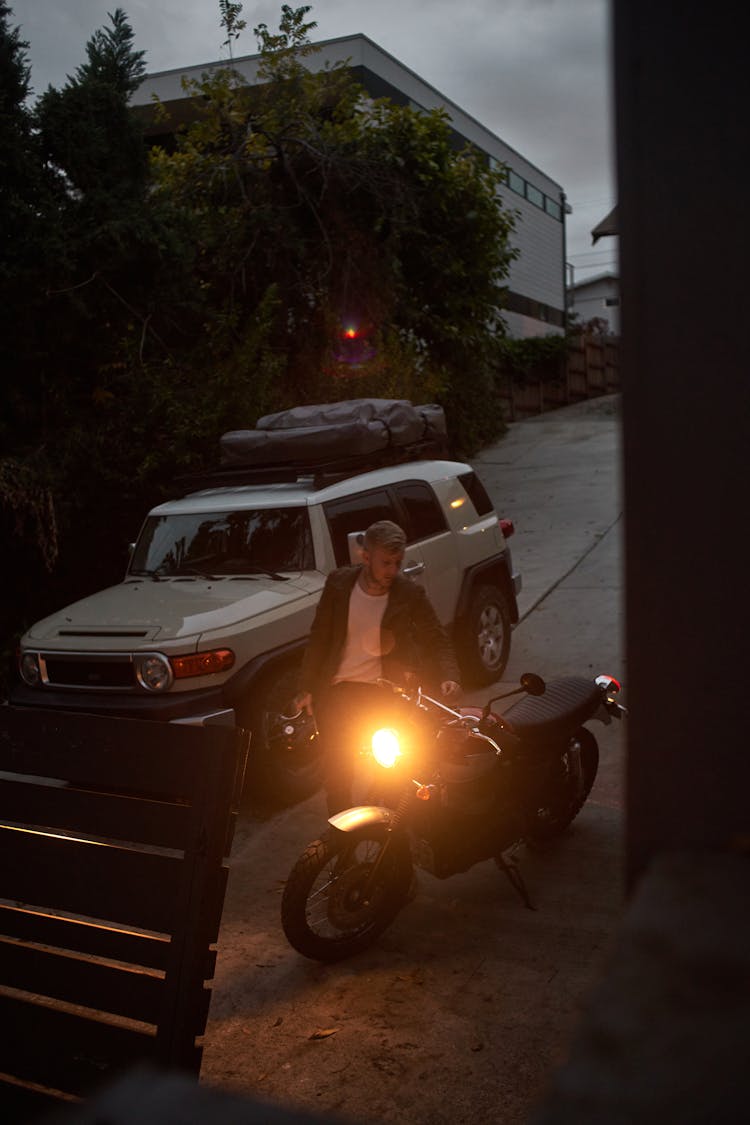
x=462, y=1009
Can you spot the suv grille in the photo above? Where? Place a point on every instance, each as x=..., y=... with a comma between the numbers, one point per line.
x=86, y=671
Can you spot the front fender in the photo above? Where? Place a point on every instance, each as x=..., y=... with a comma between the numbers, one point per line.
x=362, y=816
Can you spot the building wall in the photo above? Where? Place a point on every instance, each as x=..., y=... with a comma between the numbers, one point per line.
x=536, y=280
x=598, y=297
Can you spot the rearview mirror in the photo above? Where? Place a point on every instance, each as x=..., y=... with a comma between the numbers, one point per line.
x=533, y=684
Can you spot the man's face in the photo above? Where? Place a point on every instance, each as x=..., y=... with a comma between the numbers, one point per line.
x=382, y=564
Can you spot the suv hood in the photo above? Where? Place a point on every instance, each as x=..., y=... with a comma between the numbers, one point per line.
x=136, y=612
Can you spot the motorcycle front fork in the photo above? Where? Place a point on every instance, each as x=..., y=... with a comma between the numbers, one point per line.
x=402, y=808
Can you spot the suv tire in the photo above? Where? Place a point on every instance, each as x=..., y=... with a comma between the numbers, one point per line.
x=484, y=638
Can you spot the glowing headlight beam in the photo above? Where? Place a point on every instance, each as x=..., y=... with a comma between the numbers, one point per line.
x=386, y=748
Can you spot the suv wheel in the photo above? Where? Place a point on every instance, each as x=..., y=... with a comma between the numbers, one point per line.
x=484, y=638
x=285, y=763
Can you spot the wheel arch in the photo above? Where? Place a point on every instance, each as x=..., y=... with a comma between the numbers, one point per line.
x=260, y=668
x=489, y=572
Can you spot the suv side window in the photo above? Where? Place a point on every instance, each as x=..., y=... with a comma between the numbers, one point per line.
x=356, y=513
x=477, y=493
x=424, y=516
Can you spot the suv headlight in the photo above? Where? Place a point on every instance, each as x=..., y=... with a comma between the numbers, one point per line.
x=28, y=666
x=153, y=671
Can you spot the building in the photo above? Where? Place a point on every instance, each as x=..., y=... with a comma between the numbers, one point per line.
x=536, y=284
x=597, y=297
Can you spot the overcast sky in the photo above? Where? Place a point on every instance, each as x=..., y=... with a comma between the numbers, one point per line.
x=537, y=73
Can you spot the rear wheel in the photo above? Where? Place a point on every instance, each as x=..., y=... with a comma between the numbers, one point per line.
x=285, y=763
x=484, y=637
x=325, y=912
x=567, y=796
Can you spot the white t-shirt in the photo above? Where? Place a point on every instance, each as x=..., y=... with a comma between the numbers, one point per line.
x=360, y=660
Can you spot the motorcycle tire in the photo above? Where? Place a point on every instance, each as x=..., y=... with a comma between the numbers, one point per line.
x=322, y=914
x=552, y=820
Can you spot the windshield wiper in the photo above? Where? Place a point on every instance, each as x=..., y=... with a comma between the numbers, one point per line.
x=253, y=568
x=152, y=574
x=197, y=570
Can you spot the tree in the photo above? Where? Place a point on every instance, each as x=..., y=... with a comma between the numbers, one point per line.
x=17, y=171
x=25, y=202
x=359, y=217
x=87, y=128
x=77, y=305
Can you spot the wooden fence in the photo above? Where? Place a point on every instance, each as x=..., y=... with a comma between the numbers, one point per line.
x=592, y=368
x=113, y=843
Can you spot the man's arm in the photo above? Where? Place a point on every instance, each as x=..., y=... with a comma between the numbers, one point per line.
x=317, y=648
x=433, y=642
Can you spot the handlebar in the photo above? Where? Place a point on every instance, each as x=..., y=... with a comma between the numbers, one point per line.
x=420, y=698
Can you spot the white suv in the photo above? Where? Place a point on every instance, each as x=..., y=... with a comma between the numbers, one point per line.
x=213, y=614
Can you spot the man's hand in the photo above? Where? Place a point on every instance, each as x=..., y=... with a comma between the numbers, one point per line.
x=303, y=702
x=449, y=688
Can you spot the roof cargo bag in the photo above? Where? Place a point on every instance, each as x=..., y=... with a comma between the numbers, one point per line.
x=323, y=431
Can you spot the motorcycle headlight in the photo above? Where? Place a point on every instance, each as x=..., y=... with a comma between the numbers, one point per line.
x=386, y=748
x=153, y=671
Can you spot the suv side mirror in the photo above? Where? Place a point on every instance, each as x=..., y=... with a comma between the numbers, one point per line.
x=355, y=541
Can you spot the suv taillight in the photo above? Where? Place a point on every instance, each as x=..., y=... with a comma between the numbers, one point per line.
x=507, y=528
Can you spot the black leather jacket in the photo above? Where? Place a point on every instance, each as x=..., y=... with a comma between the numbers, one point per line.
x=412, y=638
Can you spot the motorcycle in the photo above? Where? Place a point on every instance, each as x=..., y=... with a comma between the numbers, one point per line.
x=463, y=786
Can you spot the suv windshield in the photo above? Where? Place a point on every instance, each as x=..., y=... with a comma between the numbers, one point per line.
x=212, y=543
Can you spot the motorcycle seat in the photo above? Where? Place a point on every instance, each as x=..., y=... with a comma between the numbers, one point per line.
x=565, y=705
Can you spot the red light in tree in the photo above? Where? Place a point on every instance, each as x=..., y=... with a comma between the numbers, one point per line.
x=353, y=347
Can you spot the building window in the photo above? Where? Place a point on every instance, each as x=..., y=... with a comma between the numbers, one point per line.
x=611, y=302
x=515, y=302
x=528, y=191
x=552, y=208
x=516, y=182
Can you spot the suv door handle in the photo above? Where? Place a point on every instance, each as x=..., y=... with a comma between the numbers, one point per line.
x=413, y=570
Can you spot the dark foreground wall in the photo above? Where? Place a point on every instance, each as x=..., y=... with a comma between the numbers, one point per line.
x=682, y=144
x=665, y=1037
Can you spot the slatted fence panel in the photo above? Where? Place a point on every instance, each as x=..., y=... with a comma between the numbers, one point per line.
x=114, y=839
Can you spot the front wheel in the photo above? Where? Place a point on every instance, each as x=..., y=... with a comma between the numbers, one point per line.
x=325, y=912
x=566, y=796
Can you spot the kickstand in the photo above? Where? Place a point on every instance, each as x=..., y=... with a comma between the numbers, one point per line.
x=512, y=870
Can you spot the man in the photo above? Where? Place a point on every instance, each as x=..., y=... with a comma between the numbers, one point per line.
x=371, y=622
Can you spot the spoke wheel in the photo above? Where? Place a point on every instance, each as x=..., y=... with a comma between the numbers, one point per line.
x=325, y=912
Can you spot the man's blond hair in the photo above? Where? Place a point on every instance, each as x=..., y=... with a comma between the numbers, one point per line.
x=386, y=534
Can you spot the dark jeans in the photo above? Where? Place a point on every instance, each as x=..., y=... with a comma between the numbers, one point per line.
x=346, y=717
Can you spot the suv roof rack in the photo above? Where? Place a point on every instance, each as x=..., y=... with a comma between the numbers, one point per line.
x=322, y=472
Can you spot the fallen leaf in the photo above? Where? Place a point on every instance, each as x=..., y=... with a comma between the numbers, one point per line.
x=324, y=1032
